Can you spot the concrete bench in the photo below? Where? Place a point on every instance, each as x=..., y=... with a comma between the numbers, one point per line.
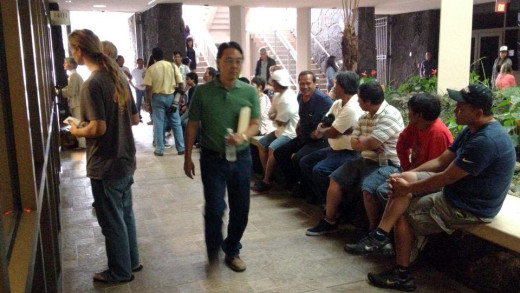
x=505, y=228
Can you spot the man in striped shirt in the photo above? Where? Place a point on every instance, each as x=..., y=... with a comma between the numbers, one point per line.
x=376, y=138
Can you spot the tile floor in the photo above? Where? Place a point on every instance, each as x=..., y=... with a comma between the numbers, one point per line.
x=168, y=208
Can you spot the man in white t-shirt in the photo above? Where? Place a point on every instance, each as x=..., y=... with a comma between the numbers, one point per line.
x=121, y=61
x=284, y=113
x=137, y=84
x=341, y=119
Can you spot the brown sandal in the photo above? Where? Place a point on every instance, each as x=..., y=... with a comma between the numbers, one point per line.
x=101, y=278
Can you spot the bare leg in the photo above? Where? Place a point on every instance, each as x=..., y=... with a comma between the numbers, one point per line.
x=269, y=166
x=262, y=154
x=373, y=209
x=404, y=237
x=396, y=206
x=334, y=197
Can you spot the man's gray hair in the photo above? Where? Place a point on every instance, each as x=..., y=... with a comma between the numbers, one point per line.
x=109, y=49
x=262, y=50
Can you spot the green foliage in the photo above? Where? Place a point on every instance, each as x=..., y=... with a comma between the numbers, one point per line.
x=507, y=110
x=506, y=106
x=364, y=77
x=415, y=83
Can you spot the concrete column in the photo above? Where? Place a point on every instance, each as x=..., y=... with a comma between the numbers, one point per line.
x=237, y=33
x=303, y=41
x=454, y=44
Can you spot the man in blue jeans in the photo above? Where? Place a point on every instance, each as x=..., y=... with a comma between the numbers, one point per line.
x=161, y=79
x=318, y=165
x=108, y=113
x=217, y=105
x=137, y=83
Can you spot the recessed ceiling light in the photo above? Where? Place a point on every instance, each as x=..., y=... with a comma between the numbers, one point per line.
x=68, y=1
x=151, y=2
x=99, y=6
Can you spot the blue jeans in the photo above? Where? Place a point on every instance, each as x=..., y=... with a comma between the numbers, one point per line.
x=318, y=165
x=113, y=204
x=139, y=96
x=161, y=102
x=217, y=174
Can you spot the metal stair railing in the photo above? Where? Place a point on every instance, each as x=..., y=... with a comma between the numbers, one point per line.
x=205, y=45
x=283, y=62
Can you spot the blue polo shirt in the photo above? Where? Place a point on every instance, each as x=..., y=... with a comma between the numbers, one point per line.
x=312, y=112
x=489, y=157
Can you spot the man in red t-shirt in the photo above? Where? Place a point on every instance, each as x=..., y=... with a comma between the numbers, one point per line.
x=425, y=138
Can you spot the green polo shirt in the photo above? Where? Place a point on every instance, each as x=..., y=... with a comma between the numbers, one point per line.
x=217, y=109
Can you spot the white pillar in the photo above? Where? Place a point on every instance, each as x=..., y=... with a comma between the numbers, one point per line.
x=237, y=33
x=454, y=44
x=303, y=40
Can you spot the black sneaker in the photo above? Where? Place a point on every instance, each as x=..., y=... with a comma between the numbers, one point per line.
x=390, y=279
x=322, y=228
x=366, y=245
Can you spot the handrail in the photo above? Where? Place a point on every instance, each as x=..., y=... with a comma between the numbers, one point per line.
x=286, y=44
x=205, y=45
x=313, y=37
x=279, y=61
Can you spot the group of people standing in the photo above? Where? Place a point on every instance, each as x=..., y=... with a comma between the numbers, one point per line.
x=363, y=142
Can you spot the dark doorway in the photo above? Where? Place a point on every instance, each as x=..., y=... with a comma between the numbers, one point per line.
x=489, y=46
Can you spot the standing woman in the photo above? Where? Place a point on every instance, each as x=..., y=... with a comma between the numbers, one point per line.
x=497, y=66
x=190, y=53
x=331, y=71
x=72, y=90
x=108, y=113
x=506, y=78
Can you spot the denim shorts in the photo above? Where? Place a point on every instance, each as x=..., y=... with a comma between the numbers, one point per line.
x=378, y=178
x=271, y=141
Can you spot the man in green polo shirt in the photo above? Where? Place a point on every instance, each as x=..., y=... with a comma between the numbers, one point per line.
x=216, y=105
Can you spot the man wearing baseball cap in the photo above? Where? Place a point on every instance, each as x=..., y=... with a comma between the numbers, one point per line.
x=474, y=173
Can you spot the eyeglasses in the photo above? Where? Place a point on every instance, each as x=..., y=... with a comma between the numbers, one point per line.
x=231, y=61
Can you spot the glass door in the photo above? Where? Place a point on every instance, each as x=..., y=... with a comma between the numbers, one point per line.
x=485, y=45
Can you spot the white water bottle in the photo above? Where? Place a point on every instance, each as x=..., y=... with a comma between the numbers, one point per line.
x=231, y=149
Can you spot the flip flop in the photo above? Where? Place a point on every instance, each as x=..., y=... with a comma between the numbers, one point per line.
x=100, y=278
x=261, y=186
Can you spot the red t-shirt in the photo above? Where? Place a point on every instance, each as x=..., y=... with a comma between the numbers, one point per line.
x=416, y=146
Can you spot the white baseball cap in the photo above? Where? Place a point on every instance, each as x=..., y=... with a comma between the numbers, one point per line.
x=282, y=77
x=503, y=48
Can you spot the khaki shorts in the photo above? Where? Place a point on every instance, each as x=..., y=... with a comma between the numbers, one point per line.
x=433, y=213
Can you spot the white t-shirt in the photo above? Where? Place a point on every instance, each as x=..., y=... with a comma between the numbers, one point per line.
x=138, y=77
x=347, y=116
x=286, y=107
x=266, y=126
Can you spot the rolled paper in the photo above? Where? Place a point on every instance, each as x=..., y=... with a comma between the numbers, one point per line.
x=243, y=119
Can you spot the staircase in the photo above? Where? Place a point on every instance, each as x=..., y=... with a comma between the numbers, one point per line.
x=278, y=51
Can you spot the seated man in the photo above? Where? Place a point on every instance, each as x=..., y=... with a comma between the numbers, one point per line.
x=375, y=136
x=425, y=138
x=284, y=113
x=318, y=165
x=314, y=104
x=475, y=173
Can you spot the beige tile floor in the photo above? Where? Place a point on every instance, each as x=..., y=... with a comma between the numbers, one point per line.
x=168, y=208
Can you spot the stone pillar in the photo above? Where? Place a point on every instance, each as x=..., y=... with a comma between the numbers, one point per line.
x=162, y=26
x=366, y=34
x=303, y=42
x=455, y=44
x=237, y=33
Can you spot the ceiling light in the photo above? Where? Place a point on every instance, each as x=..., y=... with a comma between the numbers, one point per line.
x=99, y=6
x=151, y=2
x=68, y=1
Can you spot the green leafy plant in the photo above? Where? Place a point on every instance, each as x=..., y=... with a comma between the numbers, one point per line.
x=507, y=111
x=368, y=77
